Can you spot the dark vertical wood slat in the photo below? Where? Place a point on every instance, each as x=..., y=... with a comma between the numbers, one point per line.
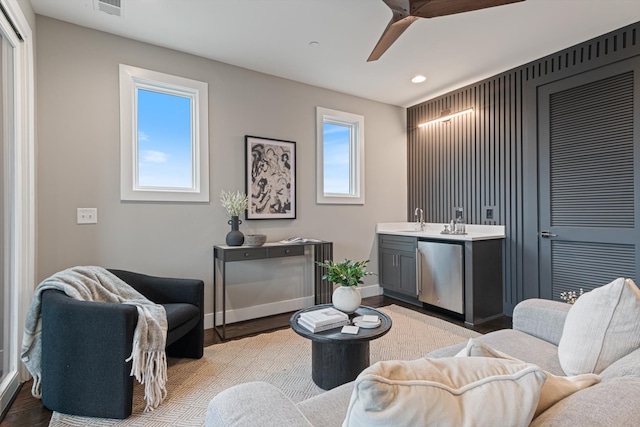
x=471, y=148
x=499, y=147
x=481, y=178
x=507, y=211
x=455, y=139
x=517, y=287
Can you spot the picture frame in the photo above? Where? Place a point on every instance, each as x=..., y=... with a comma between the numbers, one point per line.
x=270, y=178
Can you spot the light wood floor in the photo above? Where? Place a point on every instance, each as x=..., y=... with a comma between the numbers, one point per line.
x=27, y=411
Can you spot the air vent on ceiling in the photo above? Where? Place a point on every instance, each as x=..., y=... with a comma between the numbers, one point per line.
x=112, y=7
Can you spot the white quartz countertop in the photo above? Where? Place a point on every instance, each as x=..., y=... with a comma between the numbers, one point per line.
x=432, y=231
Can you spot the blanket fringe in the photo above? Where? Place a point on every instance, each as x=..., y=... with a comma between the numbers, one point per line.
x=36, y=388
x=150, y=369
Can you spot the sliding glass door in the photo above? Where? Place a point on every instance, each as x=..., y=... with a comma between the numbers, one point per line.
x=9, y=378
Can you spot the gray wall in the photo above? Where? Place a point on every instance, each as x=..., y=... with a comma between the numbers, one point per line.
x=78, y=162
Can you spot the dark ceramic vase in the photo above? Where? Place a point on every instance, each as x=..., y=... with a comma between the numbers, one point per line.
x=235, y=237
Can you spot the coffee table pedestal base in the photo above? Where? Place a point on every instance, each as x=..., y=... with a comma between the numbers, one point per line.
x=334, y=364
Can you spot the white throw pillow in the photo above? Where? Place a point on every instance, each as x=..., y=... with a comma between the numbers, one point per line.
x=452, y=391
x=555, y=388
x=601, y=327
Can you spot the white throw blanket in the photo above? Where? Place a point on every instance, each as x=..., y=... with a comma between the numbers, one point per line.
x=97, y=284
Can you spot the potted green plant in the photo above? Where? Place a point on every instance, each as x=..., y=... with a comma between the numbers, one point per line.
x=235, y=204
x=348, y=275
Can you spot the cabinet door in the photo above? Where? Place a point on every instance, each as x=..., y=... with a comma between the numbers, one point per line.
x=389, y=274
x=407, y=261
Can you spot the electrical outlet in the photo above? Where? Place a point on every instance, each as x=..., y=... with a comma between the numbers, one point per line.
x=490, y=215
x=87, y=215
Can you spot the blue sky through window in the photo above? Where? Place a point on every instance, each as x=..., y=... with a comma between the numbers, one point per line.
x=164, y=140
x=336, y=143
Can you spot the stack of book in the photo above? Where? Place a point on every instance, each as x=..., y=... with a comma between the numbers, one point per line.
x=323, y=319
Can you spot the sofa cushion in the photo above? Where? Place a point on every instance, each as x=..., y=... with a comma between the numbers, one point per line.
x=516, y=344
x=602, y=326
x=445, y=392
x=627, y=366
x=610, y=403
x=555, y=388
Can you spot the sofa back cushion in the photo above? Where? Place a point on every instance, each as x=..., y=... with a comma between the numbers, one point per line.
x=451, y=391
x=555, y=387
x=601, y=327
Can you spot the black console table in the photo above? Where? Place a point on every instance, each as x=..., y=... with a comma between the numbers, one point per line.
x=223, y=254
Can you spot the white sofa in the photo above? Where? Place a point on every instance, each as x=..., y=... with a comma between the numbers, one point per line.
x=537, y=329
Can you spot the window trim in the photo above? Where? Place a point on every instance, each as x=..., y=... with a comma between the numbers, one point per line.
x=356, y=149
x=134, y=78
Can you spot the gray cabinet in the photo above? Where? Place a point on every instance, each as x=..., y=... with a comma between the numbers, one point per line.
x=463, y=277
x=483, y=281
x=397, y=263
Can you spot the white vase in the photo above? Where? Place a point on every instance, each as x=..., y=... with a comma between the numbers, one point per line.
x=346, y=298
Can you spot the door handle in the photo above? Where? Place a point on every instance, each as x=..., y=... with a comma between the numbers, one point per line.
x=546, y=234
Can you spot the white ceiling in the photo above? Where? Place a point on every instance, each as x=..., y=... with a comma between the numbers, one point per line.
x=273, y=37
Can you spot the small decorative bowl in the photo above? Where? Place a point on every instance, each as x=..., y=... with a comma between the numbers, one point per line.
x=255, y=239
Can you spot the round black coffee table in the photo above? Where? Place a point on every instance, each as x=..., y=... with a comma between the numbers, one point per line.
x=338, y=358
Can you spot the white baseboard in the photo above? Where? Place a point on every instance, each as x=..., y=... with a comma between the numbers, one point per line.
x=370, y=291
x=263, y=310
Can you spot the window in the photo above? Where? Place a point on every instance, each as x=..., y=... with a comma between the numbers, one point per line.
x=164, y=148
x=340, y=157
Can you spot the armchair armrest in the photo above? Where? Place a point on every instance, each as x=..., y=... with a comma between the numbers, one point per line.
x=79, y=338
x=541, y=318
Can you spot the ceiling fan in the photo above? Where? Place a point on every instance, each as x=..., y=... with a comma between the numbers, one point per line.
x=405, y=12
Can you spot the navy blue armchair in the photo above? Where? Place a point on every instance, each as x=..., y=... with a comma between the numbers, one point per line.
x=85, y=344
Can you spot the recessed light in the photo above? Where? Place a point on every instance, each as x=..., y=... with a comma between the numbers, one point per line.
x=418, y=79
x=314, y=44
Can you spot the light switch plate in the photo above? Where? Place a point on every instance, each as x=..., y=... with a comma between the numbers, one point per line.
x=87, y=215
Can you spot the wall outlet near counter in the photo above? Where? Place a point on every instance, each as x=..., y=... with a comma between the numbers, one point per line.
x=489, y=215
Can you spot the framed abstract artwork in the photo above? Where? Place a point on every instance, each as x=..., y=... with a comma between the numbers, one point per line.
x=270, y=178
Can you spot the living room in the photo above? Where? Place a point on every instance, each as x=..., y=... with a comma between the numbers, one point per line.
x=77, y=165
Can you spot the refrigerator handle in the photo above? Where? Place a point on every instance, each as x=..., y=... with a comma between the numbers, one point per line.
x=418, y=272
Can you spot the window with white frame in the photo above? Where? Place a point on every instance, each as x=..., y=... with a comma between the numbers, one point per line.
x=340, y=157
x=164, y=144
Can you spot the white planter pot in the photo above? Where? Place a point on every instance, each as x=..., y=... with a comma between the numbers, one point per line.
x=346, y=298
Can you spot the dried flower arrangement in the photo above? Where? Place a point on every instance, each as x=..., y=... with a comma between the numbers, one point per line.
x=570, y=297
x=234, y=203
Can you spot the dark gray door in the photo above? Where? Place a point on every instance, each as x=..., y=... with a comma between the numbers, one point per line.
x=588, y=188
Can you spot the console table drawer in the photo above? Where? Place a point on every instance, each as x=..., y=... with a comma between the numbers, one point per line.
x=275, y=252
x=244, y=254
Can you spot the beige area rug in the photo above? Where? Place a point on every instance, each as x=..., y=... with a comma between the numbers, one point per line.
x=281, y=358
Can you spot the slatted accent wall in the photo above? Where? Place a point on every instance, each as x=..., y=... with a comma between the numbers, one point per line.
x=477, y=160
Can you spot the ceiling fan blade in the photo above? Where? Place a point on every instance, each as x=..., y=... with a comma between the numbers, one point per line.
x=433, y=8
x=396, y=27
